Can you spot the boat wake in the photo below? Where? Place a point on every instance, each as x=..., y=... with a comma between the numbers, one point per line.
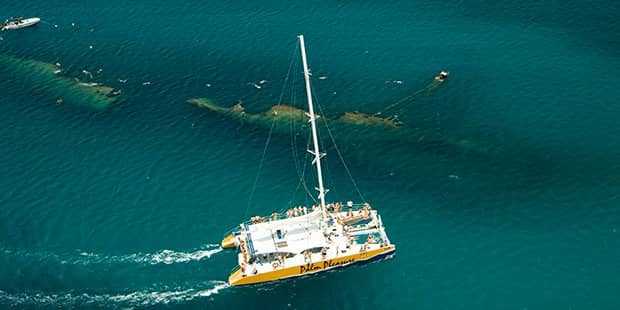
x=87, y=258
x=162, y=257
x=138, y=298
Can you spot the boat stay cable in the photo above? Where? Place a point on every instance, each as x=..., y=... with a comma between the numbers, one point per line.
x=301, y=171
x=273, y=122
x=333, y=140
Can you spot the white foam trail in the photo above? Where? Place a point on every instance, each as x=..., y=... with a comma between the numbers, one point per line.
x=212, y=291
x=138, y=298
x=162, y=257
x=172, y=257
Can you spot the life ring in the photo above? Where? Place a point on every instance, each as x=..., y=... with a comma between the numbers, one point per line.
x=275, y=265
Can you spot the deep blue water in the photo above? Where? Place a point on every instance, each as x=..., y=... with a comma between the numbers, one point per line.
x=125, y=207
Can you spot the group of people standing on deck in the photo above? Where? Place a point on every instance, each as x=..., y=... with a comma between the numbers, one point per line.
x=363, y=213
x=308, y=254
x=257, y=219
x=337, y=207
x=243, y=251
x=292, y=212
x=332, y=208
x=244, y=263
x=296, y=211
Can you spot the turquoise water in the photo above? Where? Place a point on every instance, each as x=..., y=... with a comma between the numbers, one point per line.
x=125, y=207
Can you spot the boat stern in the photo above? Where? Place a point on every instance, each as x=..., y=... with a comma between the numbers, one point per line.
x=229, y=242
x=235, y=277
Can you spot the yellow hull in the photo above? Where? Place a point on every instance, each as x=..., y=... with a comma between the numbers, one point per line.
x=229, y=242
x=236, y=278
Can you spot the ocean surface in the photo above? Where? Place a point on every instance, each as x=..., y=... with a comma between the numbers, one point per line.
x=125, y=207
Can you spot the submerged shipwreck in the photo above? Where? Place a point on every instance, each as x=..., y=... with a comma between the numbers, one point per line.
x=48, y=81
x=347, y=126
x=286, y=114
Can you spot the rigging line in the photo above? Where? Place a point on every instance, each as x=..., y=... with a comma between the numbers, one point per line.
x=292, y=127
x=328, y=173
x=273, y=122
x=260, y=167
x=306, y=160
x=293, y=139
x=290, y=66
x=331, y=136
x=301, y=173
x=294, y=145
x=302, y=176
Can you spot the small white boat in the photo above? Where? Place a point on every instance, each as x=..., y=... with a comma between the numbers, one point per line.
x=443, y=75
x=18, y=22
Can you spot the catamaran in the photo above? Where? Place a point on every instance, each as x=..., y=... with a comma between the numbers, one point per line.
x=308, y=240
x=18, y=22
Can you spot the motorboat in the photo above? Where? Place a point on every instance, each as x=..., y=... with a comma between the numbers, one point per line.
x=442, y=76
x=18, y=22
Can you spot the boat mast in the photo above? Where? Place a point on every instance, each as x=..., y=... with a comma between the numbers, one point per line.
x=317, y=154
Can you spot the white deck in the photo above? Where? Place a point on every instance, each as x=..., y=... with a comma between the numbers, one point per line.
x=297, y=234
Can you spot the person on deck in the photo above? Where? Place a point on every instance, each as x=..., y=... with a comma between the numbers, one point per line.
x=336, y=207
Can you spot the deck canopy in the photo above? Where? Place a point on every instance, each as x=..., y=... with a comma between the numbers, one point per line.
x=290, y=235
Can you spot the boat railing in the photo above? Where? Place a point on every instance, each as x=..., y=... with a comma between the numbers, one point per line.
x=235, y=269
x=384, y=236
x=283, y=214
x=365, y=231
x=279, y=215
x=250, y=245
x=354, y=207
